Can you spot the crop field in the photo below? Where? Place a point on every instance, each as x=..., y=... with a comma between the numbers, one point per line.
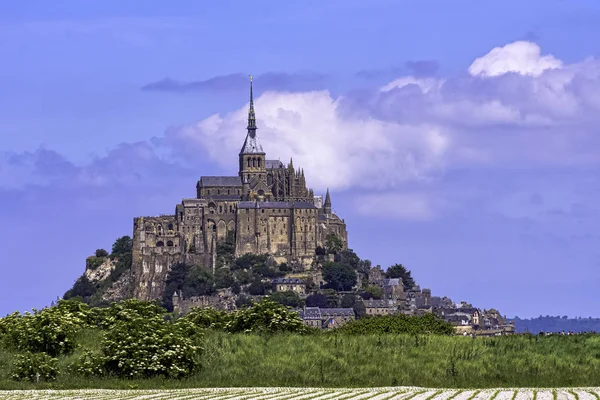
x=390, y=393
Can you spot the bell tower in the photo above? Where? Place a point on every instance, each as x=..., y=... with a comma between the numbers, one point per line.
x=252, y=156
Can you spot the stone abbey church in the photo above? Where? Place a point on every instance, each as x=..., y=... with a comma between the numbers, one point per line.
x=265, y=209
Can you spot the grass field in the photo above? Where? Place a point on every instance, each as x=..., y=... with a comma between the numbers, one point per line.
x=398, y=393
x=290, y=360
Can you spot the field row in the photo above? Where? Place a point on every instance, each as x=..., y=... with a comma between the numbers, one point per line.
x=308, y=394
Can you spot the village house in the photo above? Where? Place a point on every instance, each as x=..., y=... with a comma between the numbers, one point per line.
x=381, y=307
x=326, y=318
x=289, y=284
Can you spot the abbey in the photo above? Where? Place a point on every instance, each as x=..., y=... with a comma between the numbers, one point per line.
x=266, y=208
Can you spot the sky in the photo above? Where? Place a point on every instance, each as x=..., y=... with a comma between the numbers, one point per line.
x=459, y=138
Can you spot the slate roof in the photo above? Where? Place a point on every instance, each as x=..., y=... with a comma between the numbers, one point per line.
x=275, y=204
x=391, y=282
x=273, y=164
x=334, y=312
x=232, y=181
x=252, y=145
x=231, y=197
x=295, y=281
x=310, y=313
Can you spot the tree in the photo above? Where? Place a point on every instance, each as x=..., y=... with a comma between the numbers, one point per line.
x=101, y=253
x=174, y=282
x=316, y=300
x=288, y=298
x=348, y=300
x=339, y=276
x=332, y=298
x=223, y=278
x=372, y=292
x=81, y=288
x=122, y=245
x=333, y=244
x=399, y=271
x=198, y=282
x=257, y=288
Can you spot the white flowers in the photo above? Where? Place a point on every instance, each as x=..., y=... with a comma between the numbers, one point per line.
x=386, y=393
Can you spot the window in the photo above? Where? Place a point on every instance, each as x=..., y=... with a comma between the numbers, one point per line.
x=170, y=243
x=170, y=227
x=160, y=243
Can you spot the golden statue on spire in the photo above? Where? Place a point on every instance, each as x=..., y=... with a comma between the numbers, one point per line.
x=250, y=78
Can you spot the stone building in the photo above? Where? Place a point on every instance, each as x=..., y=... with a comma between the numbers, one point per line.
x=289, y=285
x=326, y=318
x=267, y=208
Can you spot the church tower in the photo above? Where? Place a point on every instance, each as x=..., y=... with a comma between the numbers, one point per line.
x=252, y=156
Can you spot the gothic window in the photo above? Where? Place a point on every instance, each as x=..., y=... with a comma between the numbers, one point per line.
x=258, y=162
x=249, y=162
x=220, y=209
x=218, y=191
x=170, y=243
x=170, y=227
x=160, y=243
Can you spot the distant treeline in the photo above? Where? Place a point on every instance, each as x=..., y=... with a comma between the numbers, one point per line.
x=557, y=324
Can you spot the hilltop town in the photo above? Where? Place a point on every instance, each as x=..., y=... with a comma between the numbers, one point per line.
x=263, y=232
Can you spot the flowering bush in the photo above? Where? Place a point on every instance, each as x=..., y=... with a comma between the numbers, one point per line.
x=35, y=367
x=266, y=316
x=89, y=364
x=145, y=347
x=51, y=330
x=208, y=318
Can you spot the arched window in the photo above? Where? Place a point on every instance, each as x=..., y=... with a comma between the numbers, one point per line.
x=160, y=243
x=258, y=163
x=220, y=209
x=170, y=227
x=254, y=162
x=170, y=243
x=249, y=161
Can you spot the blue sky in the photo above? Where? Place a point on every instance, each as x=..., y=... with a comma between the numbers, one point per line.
x=458, y=137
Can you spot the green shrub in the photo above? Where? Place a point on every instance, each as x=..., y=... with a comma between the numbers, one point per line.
x=93, y=262
x=397, y=324
x=143, y=347
x=208, y=318
x=50, y=330
x=266, y=316
x=89, y=364
x=34, y=367
x=101, y=253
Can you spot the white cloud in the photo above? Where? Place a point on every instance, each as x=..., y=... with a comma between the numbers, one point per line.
x=425, y=84
x=335, y=151
x=520, y=57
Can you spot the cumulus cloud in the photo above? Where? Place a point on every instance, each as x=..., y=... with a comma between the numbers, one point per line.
x=516, y=108
x=336, y=151
x=520, y=57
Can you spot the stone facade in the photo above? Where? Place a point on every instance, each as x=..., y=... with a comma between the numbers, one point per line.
x=266, y=208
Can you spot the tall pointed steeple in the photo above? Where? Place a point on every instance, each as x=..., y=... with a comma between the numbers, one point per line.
x=251, y=144
x=251, y=116
x=327, y=205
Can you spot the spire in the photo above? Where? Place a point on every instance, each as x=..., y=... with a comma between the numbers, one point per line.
x=251, y=144
x=291, y=164
x=327, y=205
x=251, y=116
